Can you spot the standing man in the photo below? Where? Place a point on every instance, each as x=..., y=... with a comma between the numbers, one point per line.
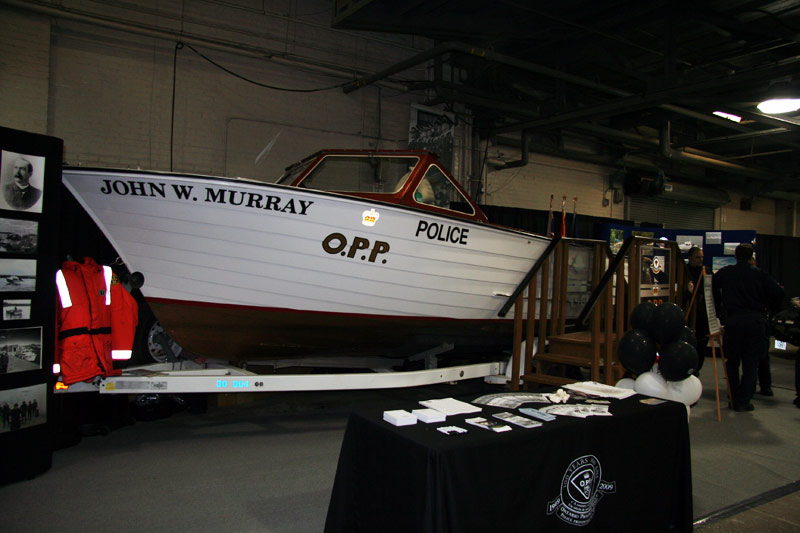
x=20, y=194
x=701, y=317
x=744, y=293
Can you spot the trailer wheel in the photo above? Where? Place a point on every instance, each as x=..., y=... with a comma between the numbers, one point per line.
x=152, y=343
x=154, y=347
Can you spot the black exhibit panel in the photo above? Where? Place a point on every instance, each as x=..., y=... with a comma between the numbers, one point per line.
x=627, y=472
x=30, y=176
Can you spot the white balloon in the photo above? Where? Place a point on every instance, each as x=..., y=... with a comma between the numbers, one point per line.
x=687, y=391
x=626, y=383
x=651, y=384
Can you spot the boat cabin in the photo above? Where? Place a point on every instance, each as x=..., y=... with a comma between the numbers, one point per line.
x=411, y=178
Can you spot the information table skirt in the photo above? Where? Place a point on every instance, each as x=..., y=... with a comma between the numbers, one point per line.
x=626, y=472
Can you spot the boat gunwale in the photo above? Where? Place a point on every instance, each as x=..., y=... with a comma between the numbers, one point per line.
x=339, y=195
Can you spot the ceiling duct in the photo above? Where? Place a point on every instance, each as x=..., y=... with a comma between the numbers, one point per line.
x=685, y=193
x=658, y=187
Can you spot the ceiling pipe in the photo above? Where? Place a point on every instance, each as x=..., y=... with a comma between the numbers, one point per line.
x=669, y=153
x=629, y=100
x=525, y=153
x=482, y=53
x=694, y=157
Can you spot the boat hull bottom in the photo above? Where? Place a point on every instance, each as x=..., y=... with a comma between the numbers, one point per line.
x=242, y=334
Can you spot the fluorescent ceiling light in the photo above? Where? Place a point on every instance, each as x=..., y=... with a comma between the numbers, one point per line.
x=779, y=105
x=782, y=97
x=729, y=116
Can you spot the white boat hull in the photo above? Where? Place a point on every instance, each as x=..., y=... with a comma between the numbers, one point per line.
x=285, y=269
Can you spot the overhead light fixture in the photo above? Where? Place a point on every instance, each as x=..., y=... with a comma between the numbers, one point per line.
x=782, y=97
x=729, y=116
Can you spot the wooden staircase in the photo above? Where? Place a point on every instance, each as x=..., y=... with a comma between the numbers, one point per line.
x=588, y=342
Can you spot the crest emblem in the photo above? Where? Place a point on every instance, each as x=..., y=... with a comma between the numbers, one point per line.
x=581, y=489
x=370, y=217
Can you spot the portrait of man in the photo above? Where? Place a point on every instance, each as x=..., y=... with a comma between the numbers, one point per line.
x=21, y=182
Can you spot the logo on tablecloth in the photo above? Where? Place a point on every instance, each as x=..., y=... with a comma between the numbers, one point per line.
x=581, y=488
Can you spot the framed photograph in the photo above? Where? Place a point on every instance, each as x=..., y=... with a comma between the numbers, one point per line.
x=19, y=236
x=718, y=262
x=20, y=350
x=23, y=407
x=21, y=181
x=17, y=275
x=686, y=242
x=16, y=309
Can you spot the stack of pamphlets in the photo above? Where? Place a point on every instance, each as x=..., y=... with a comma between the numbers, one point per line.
x=399, y=417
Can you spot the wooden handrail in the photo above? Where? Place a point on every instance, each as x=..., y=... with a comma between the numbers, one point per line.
x=605, y=280
x=532, y=272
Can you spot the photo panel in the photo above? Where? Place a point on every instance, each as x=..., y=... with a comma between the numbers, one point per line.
x=21, y=181
x=20, y=350
x=19, y=309
x=19, y=236
x=23, y=407
x=17, y=275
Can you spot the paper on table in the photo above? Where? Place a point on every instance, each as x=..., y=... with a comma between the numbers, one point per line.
x=451, y=406
x=600, y=389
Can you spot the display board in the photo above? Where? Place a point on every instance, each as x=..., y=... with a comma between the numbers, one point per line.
x=718, y=246
x=711, y=310
x=30, y=175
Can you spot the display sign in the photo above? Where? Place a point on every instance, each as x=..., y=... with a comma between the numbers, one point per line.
x=711, y=310
x=655, y=274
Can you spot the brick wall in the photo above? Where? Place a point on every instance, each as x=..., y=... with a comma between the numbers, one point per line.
x=24, y=70
x=530, y=186
x=108, y=93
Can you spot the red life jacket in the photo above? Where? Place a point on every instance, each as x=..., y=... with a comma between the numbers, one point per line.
x=97, y=321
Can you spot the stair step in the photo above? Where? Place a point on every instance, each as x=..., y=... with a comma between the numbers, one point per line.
x=572, y=359
x=546, y=379
x=581, y=347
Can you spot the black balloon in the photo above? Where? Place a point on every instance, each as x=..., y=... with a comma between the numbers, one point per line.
x=677, y=360
x=687, y=335
x=668, y=324
x=643, y=316
x=637, y=351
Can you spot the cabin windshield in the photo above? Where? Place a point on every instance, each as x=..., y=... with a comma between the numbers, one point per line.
x=372, y=174
x=435, y=189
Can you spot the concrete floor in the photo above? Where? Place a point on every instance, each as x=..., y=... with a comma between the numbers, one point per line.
x=267, y=464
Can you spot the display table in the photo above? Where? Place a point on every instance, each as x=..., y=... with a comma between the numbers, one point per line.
x=626, y=472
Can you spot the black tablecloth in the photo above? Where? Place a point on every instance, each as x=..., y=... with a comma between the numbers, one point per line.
x=627, y=472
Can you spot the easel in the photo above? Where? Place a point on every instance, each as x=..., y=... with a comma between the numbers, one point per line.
x=714, y=337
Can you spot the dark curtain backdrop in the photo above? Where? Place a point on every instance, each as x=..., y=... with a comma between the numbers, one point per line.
x=780, y=256
x=535, y=221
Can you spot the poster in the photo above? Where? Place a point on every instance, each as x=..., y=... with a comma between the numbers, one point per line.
x=432, y=129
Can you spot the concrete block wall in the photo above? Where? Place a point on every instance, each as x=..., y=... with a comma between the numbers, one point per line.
x=530, y=186
x=106, y=87
x=24, y=71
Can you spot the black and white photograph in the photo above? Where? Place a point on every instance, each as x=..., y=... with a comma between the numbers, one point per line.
x=23, y=407
x=17, y=275
x=16, y=309
x=19, y=236
x=20, y=350
x=22, y=182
